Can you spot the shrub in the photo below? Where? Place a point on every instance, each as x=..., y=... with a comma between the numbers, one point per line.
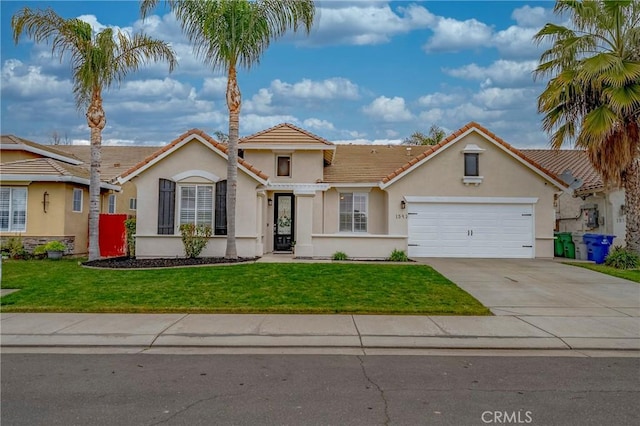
x=194, y=238
x=40, y=251
x=55, y=246
x=14, y=248
x=622, y=258
x=398, y=256
x=130, y=226
x=339, y=255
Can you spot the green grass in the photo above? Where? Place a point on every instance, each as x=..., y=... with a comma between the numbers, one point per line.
x=627, y=274
x=64, y=286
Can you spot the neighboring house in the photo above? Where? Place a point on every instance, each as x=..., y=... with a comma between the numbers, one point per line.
x=471, y=195
x=115, y=160
x=44, y=195
x=592, y=207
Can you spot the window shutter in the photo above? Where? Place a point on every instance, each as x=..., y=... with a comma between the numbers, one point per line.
x=221, y=208
x=166, y=207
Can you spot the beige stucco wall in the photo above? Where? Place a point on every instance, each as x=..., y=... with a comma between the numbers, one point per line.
x=192, y=156
x=123, y=196
x=306, y=166
x=503, y=175
x=59, y=221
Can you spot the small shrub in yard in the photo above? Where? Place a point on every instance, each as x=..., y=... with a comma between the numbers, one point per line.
x=130, y=226
x=14, y=248
x=622, y=258
x=339, y=255
x=398, y=256
x=40, y=251
x=194, y=238
x=55, y=246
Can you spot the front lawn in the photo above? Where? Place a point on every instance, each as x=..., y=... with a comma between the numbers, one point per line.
x=64, y=286
x=628, y=274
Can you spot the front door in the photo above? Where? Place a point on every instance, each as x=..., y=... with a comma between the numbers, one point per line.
x=284, y=222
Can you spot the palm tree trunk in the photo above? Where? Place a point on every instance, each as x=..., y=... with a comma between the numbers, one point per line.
x=233, y=103
x=96, y=120
x=632, y=206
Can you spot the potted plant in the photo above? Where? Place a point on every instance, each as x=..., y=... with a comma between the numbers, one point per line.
x=55, y=249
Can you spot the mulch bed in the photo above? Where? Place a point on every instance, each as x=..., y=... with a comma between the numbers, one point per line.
x=133, y=263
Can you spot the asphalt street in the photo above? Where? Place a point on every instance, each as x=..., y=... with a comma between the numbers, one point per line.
x=144, y=389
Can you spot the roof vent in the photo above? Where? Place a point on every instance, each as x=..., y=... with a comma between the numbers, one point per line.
x=409, y=151
x=373, y=151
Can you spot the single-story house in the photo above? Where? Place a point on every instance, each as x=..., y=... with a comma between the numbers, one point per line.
x=471, y=195
x=592, y=207
x=44, y=195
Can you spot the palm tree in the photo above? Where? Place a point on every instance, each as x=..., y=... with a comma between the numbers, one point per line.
x=436, y=134
x=228, y=34
x=97, y=60
x=593, y=96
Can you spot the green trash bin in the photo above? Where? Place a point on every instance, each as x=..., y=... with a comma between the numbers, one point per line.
x=558, y=245
x=568, y=247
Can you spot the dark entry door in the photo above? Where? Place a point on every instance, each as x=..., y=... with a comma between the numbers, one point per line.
x=284, y=222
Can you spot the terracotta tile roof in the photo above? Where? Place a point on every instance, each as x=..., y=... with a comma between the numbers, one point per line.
x=368, y=163
x=285, y=133
x=575, y=160
x=183, y=137
x=115, y=159
x=43, y=166
x=453, y=136
x=14, y=140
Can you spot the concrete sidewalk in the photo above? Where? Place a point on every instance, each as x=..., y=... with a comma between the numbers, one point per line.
x=319, y=331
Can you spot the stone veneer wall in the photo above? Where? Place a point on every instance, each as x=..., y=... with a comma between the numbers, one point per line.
x=31, y=243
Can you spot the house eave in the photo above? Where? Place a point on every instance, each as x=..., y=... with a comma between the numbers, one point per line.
x=53, y=178
x=45, y=153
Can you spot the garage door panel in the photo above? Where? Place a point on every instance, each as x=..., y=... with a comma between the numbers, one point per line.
x=471, y=230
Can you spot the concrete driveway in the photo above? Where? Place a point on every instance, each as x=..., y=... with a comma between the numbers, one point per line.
x=544, y=288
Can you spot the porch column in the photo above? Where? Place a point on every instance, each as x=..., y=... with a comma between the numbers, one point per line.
x=304, y=223
x=260, y=224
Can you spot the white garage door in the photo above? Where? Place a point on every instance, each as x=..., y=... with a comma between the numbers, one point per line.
x=471, y=230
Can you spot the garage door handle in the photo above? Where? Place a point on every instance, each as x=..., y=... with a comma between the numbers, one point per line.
x=527, y=214
x=527, y=246
x=412, y=213
x=470, y=232
x=413, y=245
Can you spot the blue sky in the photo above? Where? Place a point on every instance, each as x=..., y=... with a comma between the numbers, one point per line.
x=369, y=72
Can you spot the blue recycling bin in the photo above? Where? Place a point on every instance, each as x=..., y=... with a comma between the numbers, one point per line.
x=598, y=246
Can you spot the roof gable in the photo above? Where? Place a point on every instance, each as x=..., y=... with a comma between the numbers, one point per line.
x=458, y=135
x=285, y=134
x=575, y=160
x=11, y=142
x=193, y=134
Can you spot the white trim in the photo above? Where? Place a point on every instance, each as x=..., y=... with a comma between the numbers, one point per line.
x=472, y=148
x=55, y=178
x=471, y=200
x=353, y=189
x=301, y=187
x=195, y=173
x=109, y=198
x=183, y=142
x=261, y=146
x=358, y=235
x=475, y=180
x=355, y=185
x=23, y=147
x=26, y=208
x=290, y=157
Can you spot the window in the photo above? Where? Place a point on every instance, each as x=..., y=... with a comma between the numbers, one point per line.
x=77, y=200
x=196, y=204
x=112, y=204
x=13, y=209
x=471, y=164
x=284, y=166
x=353, y=212
x=133, y=203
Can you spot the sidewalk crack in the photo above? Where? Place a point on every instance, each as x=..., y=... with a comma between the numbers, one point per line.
x=387, y=419
x=353, y=318
x=153, y=342
x=546, y=331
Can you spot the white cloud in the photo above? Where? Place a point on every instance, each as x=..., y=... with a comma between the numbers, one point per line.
x=318, y=124
x=364, y=141
x=532, y=17
x=517, y=42
x=497, y=98
x=251, y=123
x=501, y=73
x=259, y=103
x=332, y=88
x=28, y=82
x=451, y=35
x=364, y=23
x=439, y=99
x=388, y=109
x=216, y=86
x=155, y=88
